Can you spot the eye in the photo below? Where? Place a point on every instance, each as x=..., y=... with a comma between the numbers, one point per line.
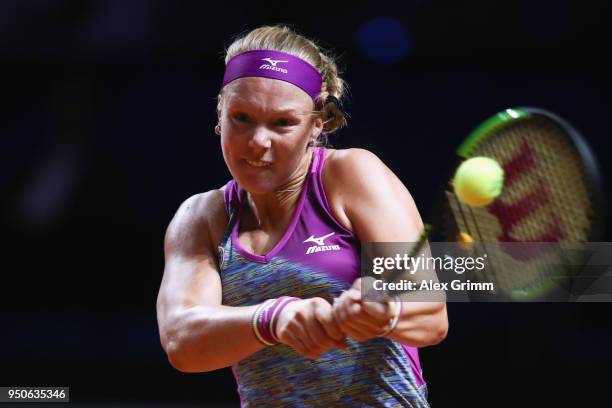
x=241, y=117
x=284, y=122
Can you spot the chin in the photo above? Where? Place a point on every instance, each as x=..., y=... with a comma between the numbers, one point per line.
x=258, y=188
x=257, y=185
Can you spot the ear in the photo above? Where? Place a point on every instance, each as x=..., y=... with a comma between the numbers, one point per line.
x=317, y=127
x=219, y=105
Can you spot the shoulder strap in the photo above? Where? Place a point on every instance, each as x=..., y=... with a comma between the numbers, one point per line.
x=317, y=161
x=232, y=205
x=317, y=176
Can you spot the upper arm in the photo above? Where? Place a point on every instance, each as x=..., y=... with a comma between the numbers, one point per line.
x=191, y=275
x=375, y=202
x=380, y=209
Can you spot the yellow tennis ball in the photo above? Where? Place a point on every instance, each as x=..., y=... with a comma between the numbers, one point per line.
x=478, y=181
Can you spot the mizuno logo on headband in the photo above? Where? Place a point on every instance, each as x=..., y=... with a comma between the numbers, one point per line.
x=272, y=65
x=271, y=61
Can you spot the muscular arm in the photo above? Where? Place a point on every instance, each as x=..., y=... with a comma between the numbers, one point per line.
x=199, y=333
x=196, y=331
x=369, y=199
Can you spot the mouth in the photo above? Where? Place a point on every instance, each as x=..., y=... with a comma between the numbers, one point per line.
x=258, y=163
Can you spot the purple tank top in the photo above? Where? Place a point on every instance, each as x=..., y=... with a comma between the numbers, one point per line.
x=317, y=256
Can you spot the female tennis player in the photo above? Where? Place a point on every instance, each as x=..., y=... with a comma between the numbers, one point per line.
x=263, y=274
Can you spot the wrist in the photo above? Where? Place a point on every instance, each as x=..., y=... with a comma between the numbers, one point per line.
x=259, y=324
x=265, y=318
x=281, y=304
x=397, y=312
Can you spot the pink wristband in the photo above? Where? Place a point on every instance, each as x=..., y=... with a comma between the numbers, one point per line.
x=266, y=316
x=257, y=323
x=262, y=323
x=284, y=301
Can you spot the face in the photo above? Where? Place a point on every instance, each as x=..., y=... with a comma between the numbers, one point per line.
x=266, y=125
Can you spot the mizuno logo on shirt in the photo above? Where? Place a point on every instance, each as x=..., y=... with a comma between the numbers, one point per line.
x=320, y=244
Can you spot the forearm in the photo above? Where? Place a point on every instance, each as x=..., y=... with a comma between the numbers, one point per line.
x=206, y=338
x=421, y=324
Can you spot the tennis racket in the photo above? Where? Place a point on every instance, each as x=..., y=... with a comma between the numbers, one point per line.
x=552, y=197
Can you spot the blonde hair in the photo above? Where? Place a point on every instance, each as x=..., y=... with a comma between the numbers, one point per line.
x=284, y=39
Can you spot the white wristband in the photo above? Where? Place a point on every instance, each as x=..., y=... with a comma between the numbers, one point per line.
x=396, y=316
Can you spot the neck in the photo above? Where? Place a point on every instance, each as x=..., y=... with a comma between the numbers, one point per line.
x=266, y=210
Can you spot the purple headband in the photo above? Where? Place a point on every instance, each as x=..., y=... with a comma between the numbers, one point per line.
x=275, y=65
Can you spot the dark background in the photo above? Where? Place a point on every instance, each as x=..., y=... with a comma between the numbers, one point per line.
x=107, y=115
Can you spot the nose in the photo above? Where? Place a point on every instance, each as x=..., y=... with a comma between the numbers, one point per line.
x=260, y=139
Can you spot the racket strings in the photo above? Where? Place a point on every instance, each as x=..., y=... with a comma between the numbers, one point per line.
x=558, y=179
x=522, y=212
x=526, y=216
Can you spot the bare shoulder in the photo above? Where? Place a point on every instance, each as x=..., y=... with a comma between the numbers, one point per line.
x=199, y=222
x=348, y=161
x=200, y=207
x=368, y=198
x=349, y=177
x=356, y=171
